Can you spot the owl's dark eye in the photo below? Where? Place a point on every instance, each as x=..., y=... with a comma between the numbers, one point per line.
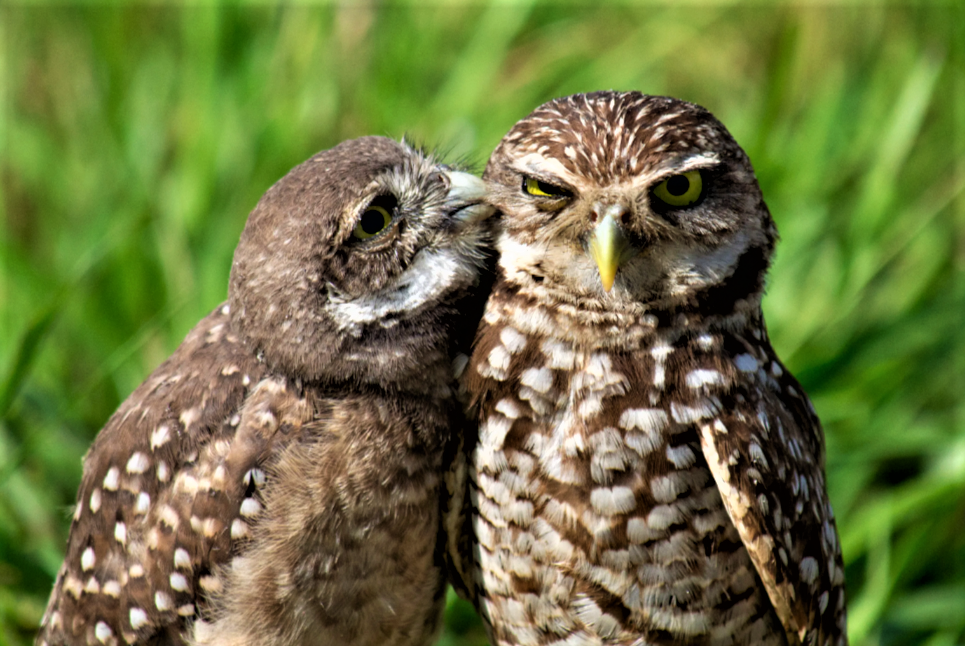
x=376, y=218
x=680, y=190
x=539, y=188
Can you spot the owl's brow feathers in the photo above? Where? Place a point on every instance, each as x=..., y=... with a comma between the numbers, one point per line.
x=607, y=148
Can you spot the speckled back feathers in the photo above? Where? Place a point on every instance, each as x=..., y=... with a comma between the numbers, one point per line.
x=276, y=481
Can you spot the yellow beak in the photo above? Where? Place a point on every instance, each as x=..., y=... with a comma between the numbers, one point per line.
x=608, y=247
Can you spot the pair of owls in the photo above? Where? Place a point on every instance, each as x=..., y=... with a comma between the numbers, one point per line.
x=635, y=465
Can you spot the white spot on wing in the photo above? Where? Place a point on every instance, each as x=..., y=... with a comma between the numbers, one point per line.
x=120, y=533
x=178, y=582
x=189, y=417
x=138, y=463
x=138, y=617
x=746, y=363
x=650, y=422
x=169, y=516
x=239, y=529
x=250, y=507
x=160, y=436
x=823, y=601
x=181, y=559
x=73, y=586
x=103, y=632
x=809, y=569
x=163, y=601
x=668, y=488
x=257, y=474
x=112, y=479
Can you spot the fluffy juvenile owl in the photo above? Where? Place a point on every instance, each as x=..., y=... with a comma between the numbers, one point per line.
x=277, y=480
x=646, y=470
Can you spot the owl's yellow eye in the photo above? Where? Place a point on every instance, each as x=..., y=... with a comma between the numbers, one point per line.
x=535, y=187
x=375, y=219
x=680, y=190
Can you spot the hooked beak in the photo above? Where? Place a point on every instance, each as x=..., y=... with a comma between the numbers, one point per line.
x=608, y=247
x=466, y=197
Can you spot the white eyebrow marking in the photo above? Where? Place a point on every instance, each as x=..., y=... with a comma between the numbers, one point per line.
x=702, y=160
x=663, y=171
x=540, y=165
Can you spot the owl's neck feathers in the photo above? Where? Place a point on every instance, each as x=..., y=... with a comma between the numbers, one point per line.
x=403, y=360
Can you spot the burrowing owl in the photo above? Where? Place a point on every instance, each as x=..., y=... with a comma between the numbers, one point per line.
x=646, y=470
x=276, y=481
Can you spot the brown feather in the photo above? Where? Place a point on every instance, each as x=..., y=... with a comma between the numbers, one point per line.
x=276, y=481
x=606, y=503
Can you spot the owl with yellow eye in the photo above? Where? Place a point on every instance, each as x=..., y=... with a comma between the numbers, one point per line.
x=646, y=470
x=277, y=481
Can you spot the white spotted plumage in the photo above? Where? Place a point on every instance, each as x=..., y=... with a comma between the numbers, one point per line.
x=670, y=469
x=276, y=480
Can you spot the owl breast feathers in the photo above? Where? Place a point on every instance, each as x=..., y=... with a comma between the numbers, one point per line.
x=276, y=481
x=646, y=470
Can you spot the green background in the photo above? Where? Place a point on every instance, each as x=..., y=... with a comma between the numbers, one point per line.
x=134, y=141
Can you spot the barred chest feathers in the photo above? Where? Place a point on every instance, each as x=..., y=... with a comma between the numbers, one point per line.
x=646, y=470
x=597, y=513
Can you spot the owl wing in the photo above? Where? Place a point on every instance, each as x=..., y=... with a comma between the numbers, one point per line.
x=168, y=489
x=766, y=452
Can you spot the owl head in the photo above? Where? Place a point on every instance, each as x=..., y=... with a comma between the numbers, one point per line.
x=356, y=265
x=622, y=198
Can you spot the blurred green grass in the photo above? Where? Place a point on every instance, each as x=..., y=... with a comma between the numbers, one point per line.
x=135, y=140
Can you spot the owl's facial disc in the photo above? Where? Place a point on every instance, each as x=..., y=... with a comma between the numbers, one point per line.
x=442, y=263
x=668, y=230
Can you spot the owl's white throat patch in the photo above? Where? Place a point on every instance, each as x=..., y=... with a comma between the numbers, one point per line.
x=690, y=270
x=558, y=263
x=432, y=274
